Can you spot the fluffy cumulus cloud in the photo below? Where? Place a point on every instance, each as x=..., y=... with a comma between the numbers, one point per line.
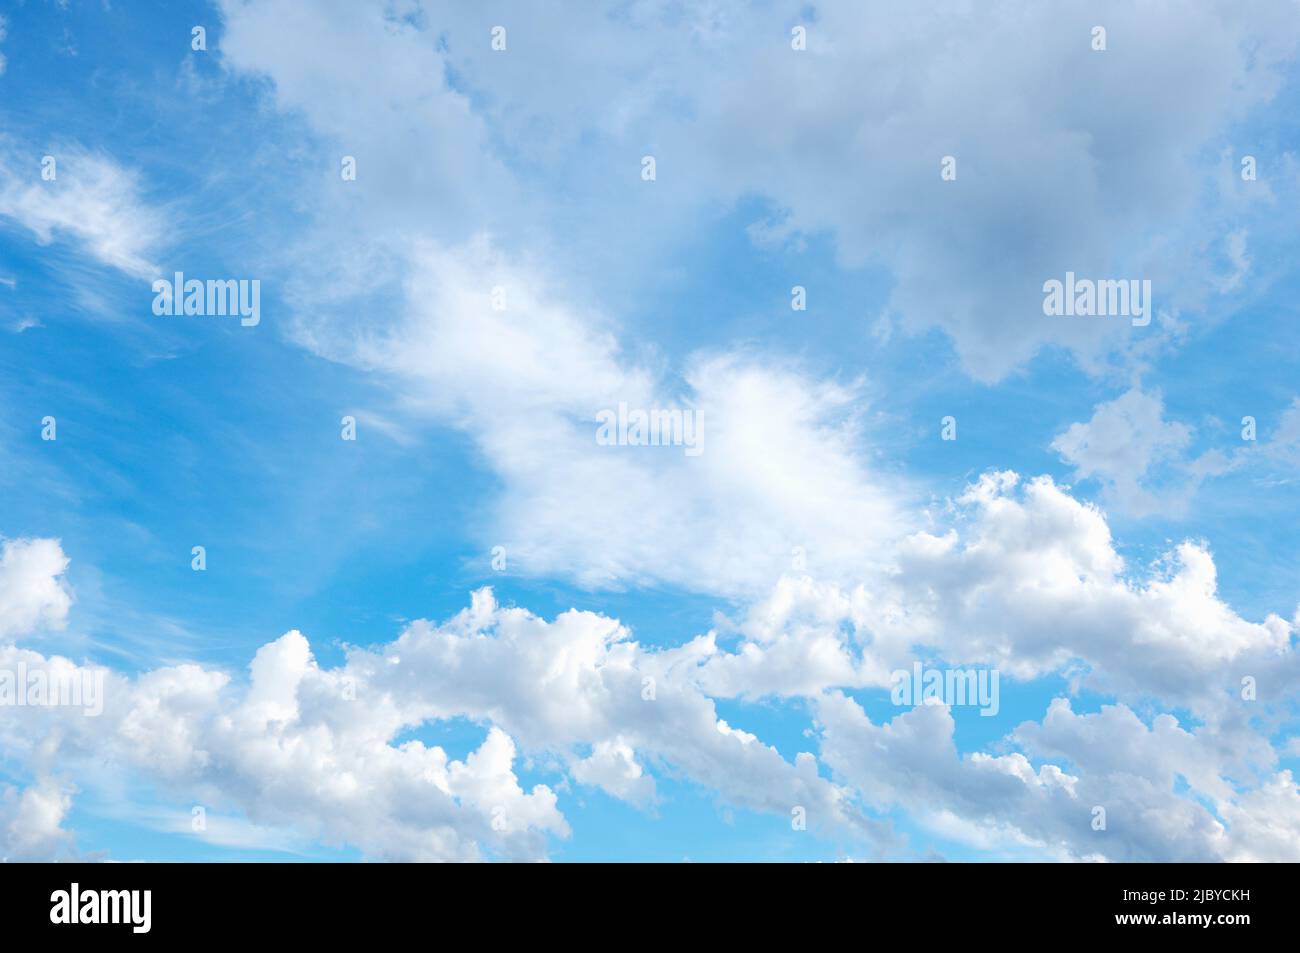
x=33, y=596
x=292, y=749
x=580, y=681
x=1121, y=443
x=290, y=752
x=1138, y=456
x=31, y=821
x=317, y=751
x=1117, y=798
x=1027, y=579
x=33, y=593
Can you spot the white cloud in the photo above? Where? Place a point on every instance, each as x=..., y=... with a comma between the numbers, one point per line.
x=1028, y=580
x=780, y=467
x=612, y=766
x=92, y=201
x=315, y=751
x=580, y=681
x=329, y=775
x=1031, y=584
x=1121, y=444
x=1139, y=457
x=1265, y=822
x=32, y=591
x=31, y=822
x=371, y=81
x=1064, y=163
x=290, y=750
x=1122, y=440
x=1056, y=158
x=1117, y=763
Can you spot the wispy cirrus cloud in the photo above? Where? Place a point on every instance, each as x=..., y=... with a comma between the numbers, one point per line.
x=92, y=202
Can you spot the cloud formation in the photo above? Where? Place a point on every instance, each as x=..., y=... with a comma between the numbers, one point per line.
x=1059, y=167
x=33, y=594
x=1031, y=584
x=92, y=201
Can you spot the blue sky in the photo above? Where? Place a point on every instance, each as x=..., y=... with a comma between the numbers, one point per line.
x=1140, y=564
